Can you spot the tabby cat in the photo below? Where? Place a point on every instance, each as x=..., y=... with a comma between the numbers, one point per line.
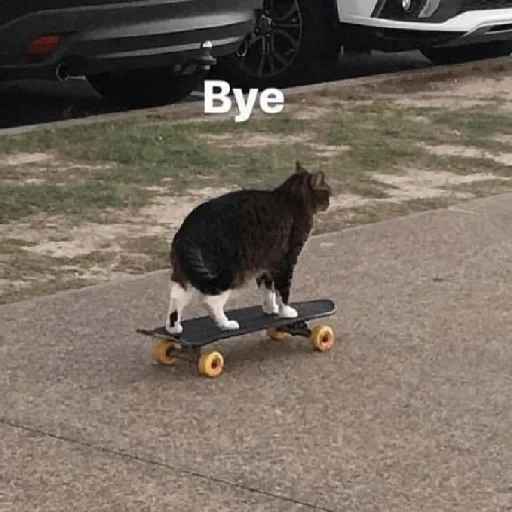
x=243, y=235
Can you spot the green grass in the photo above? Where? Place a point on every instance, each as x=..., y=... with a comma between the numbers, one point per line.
x=125, y=143
x=17, y=202
x=476, y=125
x=382, y=137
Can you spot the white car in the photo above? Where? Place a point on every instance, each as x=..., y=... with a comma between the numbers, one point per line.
x=292, y=36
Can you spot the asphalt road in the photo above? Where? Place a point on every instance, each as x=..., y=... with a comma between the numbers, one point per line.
x=410, y=411
x=34, y=102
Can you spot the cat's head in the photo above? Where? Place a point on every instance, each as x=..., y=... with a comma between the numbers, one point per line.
x=311, y=188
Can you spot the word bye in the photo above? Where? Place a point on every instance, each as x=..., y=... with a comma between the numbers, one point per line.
x=271, y=101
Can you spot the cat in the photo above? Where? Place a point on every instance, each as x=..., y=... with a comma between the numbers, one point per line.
x=242, y=236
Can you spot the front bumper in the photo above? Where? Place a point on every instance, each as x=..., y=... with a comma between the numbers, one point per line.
x=468, y=27
x=101, y=37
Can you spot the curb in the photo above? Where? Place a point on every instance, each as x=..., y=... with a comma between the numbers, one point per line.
x=434, y=74
x=180, y=111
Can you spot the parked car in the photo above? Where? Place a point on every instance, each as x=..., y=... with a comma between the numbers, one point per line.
x=292, y=37
x=133, y=52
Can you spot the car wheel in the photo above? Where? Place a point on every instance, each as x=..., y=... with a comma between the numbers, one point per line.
x=468, y=53
x=290, y=39
x=144, y=88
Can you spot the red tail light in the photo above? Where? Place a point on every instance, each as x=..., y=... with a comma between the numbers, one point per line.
x=44, y=45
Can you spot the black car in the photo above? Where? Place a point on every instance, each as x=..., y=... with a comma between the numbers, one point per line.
x=133, y=52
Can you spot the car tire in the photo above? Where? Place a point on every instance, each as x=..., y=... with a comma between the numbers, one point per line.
x=468, y=53
x=299, y=38
x=144, y=88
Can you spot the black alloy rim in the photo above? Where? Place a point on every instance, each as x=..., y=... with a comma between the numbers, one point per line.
x=272, y=46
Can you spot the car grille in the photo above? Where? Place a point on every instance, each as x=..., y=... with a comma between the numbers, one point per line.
x=480, y=5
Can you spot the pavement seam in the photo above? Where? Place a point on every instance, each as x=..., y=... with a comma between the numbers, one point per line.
x=144, y=460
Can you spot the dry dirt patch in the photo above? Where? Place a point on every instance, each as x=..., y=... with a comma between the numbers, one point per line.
x=252, y=140
x=259, y=140
x=480, y=87
x=25, y=158
x=435, y=101
x=71, y=255
x=326, y=150
x=503, y=139
x=414, y=184
x=59, y=237
x=469, y=152
x=479, y=92
x=310, y=113
x=39, y=168
x=422, y=184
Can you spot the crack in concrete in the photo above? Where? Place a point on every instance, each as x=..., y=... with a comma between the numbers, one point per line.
x=144, y=460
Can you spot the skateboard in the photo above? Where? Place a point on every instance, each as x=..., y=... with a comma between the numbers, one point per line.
x=201, y=331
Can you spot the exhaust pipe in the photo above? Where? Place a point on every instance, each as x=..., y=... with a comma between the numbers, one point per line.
x=62, y=72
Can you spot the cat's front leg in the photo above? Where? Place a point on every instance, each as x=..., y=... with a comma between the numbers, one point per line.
x=215, y=306
x=285, y=310
x=282, y=281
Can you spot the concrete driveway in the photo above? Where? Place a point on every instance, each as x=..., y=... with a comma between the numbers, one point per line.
x=411, y=410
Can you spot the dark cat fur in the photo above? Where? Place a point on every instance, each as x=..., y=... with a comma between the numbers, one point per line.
x=248, y=234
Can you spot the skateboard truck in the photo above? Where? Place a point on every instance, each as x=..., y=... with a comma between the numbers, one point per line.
x=299, y=328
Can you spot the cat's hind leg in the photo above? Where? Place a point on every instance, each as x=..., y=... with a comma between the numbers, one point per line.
x=179, y=298
x=215, y=306
x=268, y=294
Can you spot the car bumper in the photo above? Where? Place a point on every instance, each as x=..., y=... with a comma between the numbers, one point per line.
x=118, y=36
x=465, y=28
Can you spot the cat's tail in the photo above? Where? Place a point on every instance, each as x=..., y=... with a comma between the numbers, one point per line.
x=197, y=272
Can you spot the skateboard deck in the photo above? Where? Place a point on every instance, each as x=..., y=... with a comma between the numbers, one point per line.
x=201, y=331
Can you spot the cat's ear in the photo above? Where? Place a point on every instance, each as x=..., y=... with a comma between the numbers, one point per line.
x=298, y=167
x=317, y=180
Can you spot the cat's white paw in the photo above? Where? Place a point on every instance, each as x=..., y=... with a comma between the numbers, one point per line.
x=230, y=325
x=270, y=309
x=287, y=312
x=176, y=329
